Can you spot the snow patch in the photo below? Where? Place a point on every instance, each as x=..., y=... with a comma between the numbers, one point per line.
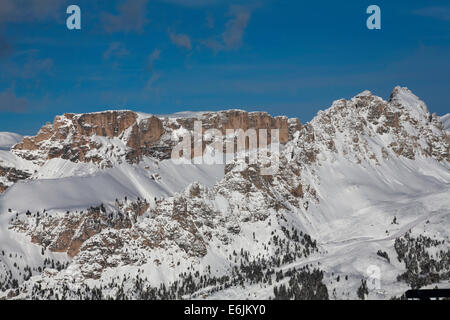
x=9, y=139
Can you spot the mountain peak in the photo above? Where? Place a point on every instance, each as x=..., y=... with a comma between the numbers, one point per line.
x=403, y=97
x=365, y=93
x=366, y=127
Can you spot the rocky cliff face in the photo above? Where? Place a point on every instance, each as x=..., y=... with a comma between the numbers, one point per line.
x=70, y=230
x=368, y=128
x=111, y=136
x=10, y=175
x=71, y=136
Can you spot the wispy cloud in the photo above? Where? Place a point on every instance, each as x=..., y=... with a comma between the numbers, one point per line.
x=115, y=50
x=5, y=47
x=210, y=21
x=231, y=38
x=152, y=58
x=150, y=83
x=436, y=12
x=35, y=67
x=9, y=102
x=131, y=17
x=28, y=66
x=149, y=86
x=236, y=26
x=30, y=10
x=192, y=3
x=25, y=11
x=180, y=40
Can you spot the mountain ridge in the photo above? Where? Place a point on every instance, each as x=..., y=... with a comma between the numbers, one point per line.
x=352, y=182
x=9, y=139
x=129, y=134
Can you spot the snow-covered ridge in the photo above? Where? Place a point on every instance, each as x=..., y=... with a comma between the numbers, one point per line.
x=403, y=97
x=113, y=137
x=369, y=128
x=446, y=121
x=8, y=139
x=175, y=115
x=351, y=183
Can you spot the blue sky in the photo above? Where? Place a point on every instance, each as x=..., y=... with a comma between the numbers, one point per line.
x=161, y=56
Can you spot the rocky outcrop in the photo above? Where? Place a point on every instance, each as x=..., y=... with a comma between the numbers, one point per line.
x=366, y=127
x=238, y=119
x=11, y=175
x=68, y=232
x=70, y=136
x=143, y=136
x=115, y=136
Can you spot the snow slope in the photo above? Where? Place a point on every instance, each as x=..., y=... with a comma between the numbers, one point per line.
x=8, y=139
x=446, y=121
x=64, y=185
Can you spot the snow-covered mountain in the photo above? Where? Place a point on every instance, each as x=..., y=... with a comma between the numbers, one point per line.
x=93, y=207
x=446, y=121
x=8, y=139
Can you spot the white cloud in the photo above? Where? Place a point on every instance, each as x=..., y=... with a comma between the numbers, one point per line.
x=131, y=17
x=235, y=27
x=153, y=57
x=192, y=3
x=181, y=40
x=440, y=13
x=29, y=10
x=231, y=38
x=9, y=102
x=155, y=77
x=115, y=50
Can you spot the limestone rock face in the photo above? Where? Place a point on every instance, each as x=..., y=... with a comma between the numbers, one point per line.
x=115, y=136
x=69, y=231
x=144, y=135
x=238, y=119
x=9, y=176
x=70, y=136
